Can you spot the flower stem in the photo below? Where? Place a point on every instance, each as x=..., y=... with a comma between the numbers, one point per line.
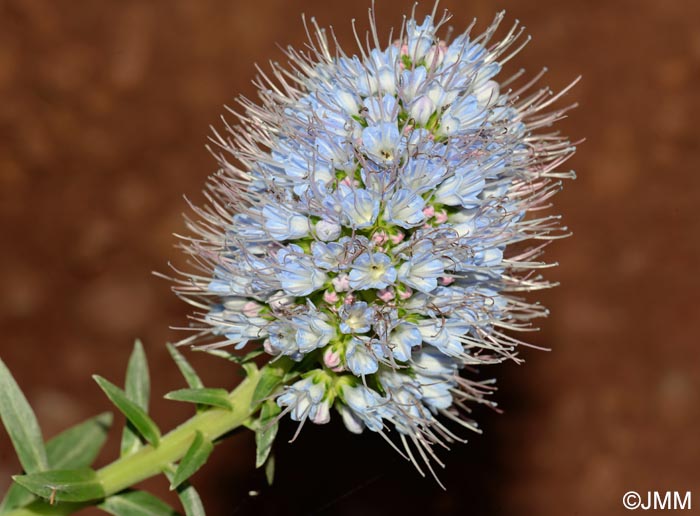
x=149, y=461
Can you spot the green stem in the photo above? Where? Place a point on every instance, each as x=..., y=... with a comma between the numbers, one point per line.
x=149, y=461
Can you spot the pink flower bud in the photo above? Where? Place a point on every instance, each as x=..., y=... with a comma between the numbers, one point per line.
x=447, y=280
x=251, y=309
x=397, y=238
x=428, y=211
x=330, y=297
x=379, y=237
x=441, y=217
x=386, y=294
x=331, y=358
x=406, y=293
x=349, y=299
x=341, y=282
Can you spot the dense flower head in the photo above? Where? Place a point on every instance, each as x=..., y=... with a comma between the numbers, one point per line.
x=376, y=223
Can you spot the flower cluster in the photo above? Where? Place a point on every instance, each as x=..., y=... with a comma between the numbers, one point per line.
x=375, y=223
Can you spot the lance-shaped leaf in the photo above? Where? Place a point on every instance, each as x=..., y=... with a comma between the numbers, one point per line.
x=78, y=446
x=266, y=432
x=270, y=379
x=191, y=502
x=70, y=485
x=21, y=424
x=74, y=448
x=203, y=396
x=137, y=387
x=185, y=368
x=195, y=457
x=136, y=503
x=134, y=414
x=270, y=469
x=189, y=497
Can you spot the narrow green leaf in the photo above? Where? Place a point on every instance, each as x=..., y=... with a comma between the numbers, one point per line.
x=266, y=431
x=137, y=387
x=136, y=503
x=78, y=446
x=189, y=498
x=191, y=502
x=195, y=457
x=270, y=379
x=74, y=448
x=135, y=414
x=16, y=496
x=68, y=485
x=185, y=368
x=203, y=396
x=270, y=469
x=21, y=424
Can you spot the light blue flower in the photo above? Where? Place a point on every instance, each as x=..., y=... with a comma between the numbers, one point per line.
x=372, y=270
x=366, y=406
x=329, y=256
x=356, y=318
x=313, y=331
x=403, y=339
x=444, y=334
x=422, y=271
x=284, y=224
x=462, y=188
x=360, y=208
x=297, y=274
x=282, y=339
x=307, y=398
x=405, y=209
x=383, y=143
x=361, y=356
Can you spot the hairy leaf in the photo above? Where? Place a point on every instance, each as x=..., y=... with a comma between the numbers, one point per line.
x=195, y=457
x=21, y=424
x=185, y=368
x=266, y=431
x=136, y=503
x=74, y=448
x=68, y=485
x=189, y=498
x=203, y=396
x=137, y=388
x=78, y=446
x=270, y=469
x=135, y=414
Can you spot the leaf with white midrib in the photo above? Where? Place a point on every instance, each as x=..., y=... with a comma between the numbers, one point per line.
x=21, y=424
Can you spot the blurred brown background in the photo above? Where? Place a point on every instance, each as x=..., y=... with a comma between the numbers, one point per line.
x=104, y=112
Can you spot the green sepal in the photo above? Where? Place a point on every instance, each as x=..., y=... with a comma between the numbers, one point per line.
x=185, y=368
x=266, y=431
x=137, y=387
x=136, y=503
x=195, y=457
x=202, y=396
x=74, y=448
x=134, y=414
x=21, y=424
x=63, y=485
